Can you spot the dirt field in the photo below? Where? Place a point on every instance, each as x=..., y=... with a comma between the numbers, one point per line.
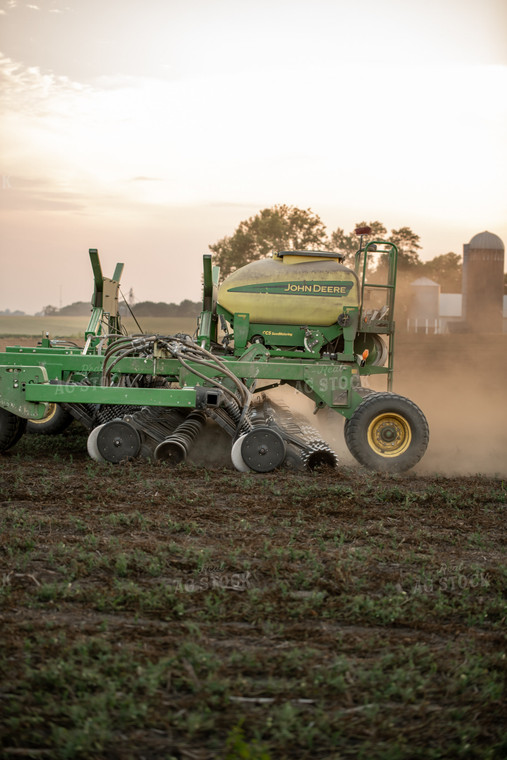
x=203, y=613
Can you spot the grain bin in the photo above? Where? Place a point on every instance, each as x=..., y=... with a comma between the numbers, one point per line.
x=483, y=283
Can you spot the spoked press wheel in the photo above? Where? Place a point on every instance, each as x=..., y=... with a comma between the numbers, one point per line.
x=387, y=433
x=12, y=428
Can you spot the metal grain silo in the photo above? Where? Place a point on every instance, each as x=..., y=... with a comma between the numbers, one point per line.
x=483, y=283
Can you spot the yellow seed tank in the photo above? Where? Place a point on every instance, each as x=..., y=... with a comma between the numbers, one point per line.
x=292, y=288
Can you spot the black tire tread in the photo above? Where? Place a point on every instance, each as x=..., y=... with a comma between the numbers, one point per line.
x=12, y=428
x=56, y=424
x=376, y=403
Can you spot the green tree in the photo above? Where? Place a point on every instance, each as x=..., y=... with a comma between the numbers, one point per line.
x=348, y=244
x=76, y=309
x=447, y=270
x=408, y=246
x=49, y=311
x=289, y=228
x=272, y=229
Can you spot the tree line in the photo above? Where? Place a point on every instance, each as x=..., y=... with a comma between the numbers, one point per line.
x=283, y=227
x=186, y=308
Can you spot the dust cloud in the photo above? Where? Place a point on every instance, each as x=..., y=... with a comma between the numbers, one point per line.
x=460, y=383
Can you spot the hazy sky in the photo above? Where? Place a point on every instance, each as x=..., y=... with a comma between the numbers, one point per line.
x=151, y=129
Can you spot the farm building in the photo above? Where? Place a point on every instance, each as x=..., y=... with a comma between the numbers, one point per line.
x=482, y=305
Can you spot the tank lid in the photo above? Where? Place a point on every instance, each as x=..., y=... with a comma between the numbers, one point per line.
x=319, y=254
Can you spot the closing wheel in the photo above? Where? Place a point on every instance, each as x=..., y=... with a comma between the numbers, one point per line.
x=236, y=458
x=91, y=445
x=12, y=428
x=387, y=432
x=171, y=452
x=263, y=449
x=55, y=421
x=117, y=441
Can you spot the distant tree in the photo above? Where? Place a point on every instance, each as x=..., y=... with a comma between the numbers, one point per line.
x=76, y=309
x=155, y=309
x=272, y=229
x=348, y=244
x=287, y=227
x=342, y=243
x=49, y=311
x=404, y=239
x=160, y=309
x=408, y=246
x=189, y=308
x=447, y=270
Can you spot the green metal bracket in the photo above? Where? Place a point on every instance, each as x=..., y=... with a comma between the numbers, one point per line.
x=241, y=326
x=349, y=333
x=13, y=384
x=255, y=352
x=208, y=321
x=104, y=300
x=332, y=386
x=207, y=291
x=205, y=329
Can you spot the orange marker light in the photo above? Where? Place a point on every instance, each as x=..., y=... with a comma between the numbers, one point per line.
x=365, y=354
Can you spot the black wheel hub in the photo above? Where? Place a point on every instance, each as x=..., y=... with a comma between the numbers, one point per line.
x=388, y=434
x=118, y=441
x=263, y=449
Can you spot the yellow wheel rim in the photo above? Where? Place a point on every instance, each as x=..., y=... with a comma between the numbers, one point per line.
x=49, y=415
x=389, y=434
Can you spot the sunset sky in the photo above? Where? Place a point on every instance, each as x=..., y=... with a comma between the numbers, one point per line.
x=151, y=129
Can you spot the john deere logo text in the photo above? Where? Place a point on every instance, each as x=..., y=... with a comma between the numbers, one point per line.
x=340, y=290
x=321, y=288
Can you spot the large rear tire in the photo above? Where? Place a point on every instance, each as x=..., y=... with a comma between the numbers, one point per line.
x=387, y=433
x=11, y=429
x=55, y=421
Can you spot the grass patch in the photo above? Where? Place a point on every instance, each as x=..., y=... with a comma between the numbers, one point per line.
x=213, y=614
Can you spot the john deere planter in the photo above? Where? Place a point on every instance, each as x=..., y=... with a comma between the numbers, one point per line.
x=299, y=318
